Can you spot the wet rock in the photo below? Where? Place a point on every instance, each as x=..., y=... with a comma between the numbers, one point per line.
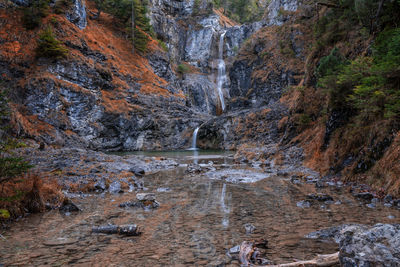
x=193, y=168
x=163, y=189
x=388, y=199
x=126, y=230
x=371, y=205
x=303, y=204
x=332, y=233
x=319, y=197
x=234, y=250
x=69, y=206
x=115, y=187
x=364, y=195
x=320, y=184
x=77, y=14
x=100, y=185
x=376, y=246
x=249, y=228
x=146, y=197
x=138, y=171
x=362, y=245
x=146, y=201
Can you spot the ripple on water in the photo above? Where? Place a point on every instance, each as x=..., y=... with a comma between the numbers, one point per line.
x=237, y=176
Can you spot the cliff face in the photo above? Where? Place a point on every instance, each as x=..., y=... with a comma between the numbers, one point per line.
x=100, y=97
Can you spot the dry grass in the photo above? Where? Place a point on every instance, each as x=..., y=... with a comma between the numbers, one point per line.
x=29, y=194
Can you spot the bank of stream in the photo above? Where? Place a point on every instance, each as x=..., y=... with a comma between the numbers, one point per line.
x=204, y=211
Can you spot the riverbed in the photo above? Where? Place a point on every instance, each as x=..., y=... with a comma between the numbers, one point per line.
x=202, y=214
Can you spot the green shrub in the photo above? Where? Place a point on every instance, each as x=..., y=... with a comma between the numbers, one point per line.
x=368, y=84
x=49, y=46
x=330, y=64
x=163, y=45
x=33, y=15
x=10, y=166
x=182, y=68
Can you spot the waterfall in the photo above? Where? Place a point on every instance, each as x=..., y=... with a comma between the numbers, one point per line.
x=221, y=78
x=194, y=140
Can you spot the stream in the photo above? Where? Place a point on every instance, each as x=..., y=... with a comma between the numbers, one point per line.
x=201, y=216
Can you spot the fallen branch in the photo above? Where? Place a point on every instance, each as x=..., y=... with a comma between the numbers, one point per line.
x=320, y=260
x=249, y=255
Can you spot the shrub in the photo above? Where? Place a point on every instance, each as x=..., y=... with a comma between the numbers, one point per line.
x=33, y=15
x=49, y=46
x=182, y=68
x=10, y=166
x=163, y=45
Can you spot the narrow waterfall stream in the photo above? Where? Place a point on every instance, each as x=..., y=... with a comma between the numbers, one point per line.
x=221, y=78
x=194, y=140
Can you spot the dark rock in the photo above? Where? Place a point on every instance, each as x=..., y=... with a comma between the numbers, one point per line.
x=146, y=205
x=388, y=199
x=249, y=228
x=126, y=230
x=364, y=195
x=69, y=206
x=320, y=184
x=100, y=185
x=24, y=3
x=320, y=197
x=194, y=168
x=138, y=171
x=332, y=233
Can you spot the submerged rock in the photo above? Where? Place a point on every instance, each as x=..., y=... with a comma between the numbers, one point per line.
x=364, y=195
x=69, y=206
x=320, y=197
x=144, y=200
x=249, y=228
x=126, y=230
x=303, y=204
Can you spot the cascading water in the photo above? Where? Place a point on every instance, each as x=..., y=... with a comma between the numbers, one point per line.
x=221, y=78
x=194, y=140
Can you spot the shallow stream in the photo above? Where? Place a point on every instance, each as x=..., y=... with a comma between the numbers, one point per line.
x=200, y=217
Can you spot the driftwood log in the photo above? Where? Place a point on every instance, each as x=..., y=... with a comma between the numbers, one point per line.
x=127, y=230
x=250, y=256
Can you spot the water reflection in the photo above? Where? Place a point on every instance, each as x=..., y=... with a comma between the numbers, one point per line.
x=198, y=220
x=225, y=209
x=195, y=156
